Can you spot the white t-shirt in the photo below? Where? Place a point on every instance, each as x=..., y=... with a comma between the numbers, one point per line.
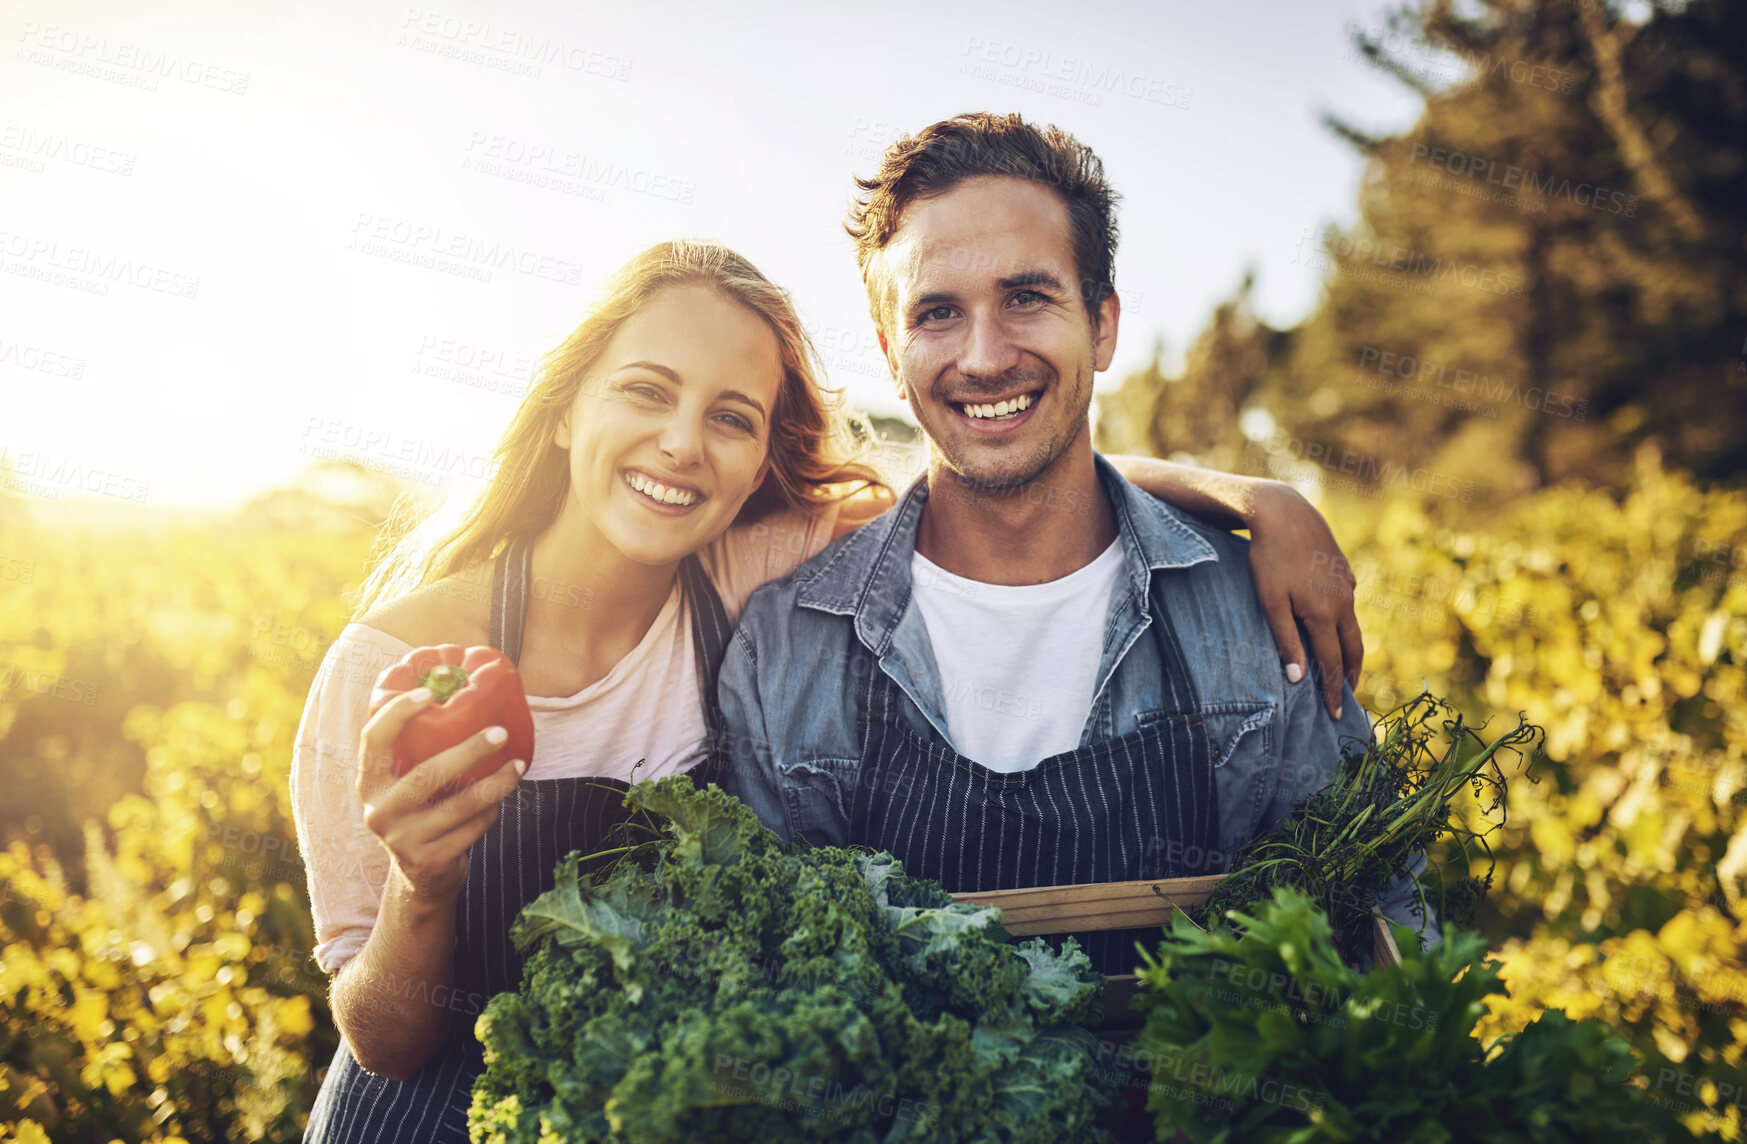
x=647, y=707
x=1017, y=662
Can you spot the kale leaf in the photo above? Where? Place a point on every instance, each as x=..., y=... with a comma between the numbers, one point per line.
x=717, y=984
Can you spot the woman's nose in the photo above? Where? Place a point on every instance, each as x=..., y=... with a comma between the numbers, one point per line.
x=682, y=438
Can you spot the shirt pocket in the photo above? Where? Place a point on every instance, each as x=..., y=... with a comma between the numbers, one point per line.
x=1240, y=744
x=1236, y=732
x=1239, y=734
x=1241, y=739
x=816, y=797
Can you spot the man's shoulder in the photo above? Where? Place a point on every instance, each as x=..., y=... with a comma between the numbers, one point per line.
x=1224, y=542
x=1208, y=573
x=1228, y=575
x=828, y=578
x=1183, y=534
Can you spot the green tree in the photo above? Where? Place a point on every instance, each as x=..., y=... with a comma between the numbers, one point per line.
x=1548, y=268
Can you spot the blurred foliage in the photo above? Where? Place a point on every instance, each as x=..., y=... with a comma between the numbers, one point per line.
x=1620, y=626
x=1548, y=268
x=154, y=918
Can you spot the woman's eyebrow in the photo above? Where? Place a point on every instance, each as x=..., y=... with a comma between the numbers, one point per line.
x=653, y=367
x=736, y=395
x=670, y=375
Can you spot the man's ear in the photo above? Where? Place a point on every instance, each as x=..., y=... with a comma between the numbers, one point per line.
x=891, y=363
x=1104, y=337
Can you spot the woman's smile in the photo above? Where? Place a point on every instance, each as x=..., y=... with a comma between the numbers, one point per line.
x=669, y=496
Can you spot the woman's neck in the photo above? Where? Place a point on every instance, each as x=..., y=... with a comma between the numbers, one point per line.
x=589, y=605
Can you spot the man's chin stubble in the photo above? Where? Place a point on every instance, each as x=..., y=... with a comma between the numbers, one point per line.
x=998, y=483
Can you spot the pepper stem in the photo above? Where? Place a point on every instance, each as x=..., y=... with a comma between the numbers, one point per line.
x=444, y=680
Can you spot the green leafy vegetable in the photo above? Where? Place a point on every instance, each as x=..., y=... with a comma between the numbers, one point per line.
x=717, y=984
x=1388, y=802
x=1268, y=1035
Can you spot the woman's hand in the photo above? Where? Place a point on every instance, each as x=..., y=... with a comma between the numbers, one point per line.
x=1302, y=574
x=426, y=832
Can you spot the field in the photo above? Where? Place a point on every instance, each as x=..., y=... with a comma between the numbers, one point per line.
x=154, y=922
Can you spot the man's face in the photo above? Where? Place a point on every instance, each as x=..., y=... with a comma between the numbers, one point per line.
x=985, y=330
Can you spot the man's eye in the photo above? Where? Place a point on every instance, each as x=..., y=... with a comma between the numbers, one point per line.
x=937, y=314
x=1029, y=297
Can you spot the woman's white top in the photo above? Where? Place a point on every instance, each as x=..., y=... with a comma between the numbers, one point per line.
x=647, y=707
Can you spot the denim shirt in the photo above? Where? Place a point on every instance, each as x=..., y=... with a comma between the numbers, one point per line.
x=797, y=670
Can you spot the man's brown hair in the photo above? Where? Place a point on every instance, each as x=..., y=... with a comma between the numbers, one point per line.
x=945, y=154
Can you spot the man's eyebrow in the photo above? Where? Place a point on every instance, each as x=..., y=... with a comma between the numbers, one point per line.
x=1011, y=282
x=1031, y=278
x=670, y=375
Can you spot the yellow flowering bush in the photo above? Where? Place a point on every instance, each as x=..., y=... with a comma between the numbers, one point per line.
x=155, y=983
x=1621, y=628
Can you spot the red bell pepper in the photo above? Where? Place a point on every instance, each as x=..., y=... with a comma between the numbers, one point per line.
x=472, y=688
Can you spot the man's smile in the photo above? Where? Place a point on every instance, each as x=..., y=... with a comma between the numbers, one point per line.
x=1000, y=415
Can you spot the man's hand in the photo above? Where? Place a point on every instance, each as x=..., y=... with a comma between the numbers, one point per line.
x=1302, y=574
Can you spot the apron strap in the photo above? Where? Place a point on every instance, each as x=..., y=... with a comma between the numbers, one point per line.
x=711, y=632
x=710, y=627
x=509, y=596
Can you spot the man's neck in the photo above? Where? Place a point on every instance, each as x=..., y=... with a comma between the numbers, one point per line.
x=1037, y=532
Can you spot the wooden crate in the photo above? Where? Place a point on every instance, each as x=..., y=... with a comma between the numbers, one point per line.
x=1093, y=906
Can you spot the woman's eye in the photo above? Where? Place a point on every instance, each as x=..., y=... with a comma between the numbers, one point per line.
x=648, y=392
x=734, y=420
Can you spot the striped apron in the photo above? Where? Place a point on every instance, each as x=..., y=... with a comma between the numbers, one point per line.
x=1132, y=807
x=508, y=867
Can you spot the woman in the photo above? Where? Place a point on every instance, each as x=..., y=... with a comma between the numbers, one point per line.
x=675, y=452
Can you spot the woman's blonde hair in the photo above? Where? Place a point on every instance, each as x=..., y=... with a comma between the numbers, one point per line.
x=816, y=456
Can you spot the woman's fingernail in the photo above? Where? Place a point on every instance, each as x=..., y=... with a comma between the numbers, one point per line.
x=495, y=735
x=419, y=694
x=521, y=767
x=1294, y=672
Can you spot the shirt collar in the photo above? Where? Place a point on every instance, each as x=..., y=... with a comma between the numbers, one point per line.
x=868, y=576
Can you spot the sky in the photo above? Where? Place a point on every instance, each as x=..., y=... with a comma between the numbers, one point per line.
x=239, y=237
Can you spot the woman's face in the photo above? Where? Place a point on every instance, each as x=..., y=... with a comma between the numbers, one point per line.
x=670, y=431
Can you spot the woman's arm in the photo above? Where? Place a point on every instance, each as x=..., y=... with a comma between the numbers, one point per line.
x=393, y=1000
x=382, y=998
x=1301, y=572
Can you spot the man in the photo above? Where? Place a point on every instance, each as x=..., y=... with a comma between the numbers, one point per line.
x=1027, y=672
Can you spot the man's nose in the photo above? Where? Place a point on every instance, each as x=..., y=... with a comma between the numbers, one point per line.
x=989, y=351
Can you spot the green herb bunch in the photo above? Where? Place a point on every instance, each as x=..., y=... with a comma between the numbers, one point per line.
x=1388, y=802
x=1268, y=1035
x=717, y=984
